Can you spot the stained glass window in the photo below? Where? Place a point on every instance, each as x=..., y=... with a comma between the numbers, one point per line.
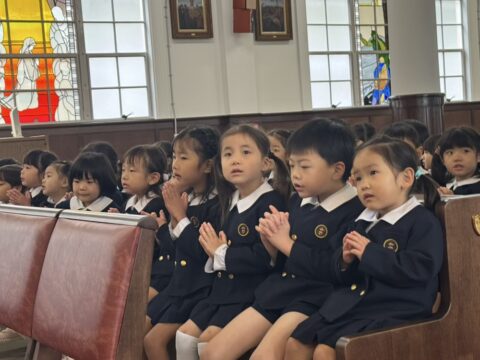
x=40, y=60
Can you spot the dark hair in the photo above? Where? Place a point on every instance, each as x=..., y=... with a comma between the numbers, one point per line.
x=459, y=137
x=167, y=149
x=420, y=127
x=92, y=165
x=105, y=148
x=363, y=131
x=401, y=130
x=431, y=143
x=11, y=174
x=62, y=167
x=226, y=189
x=281, y=135
x=204, y=141
x=152, y=159
x=331, y=139
x=400, y=156
x=40, y=159
x=8, y=161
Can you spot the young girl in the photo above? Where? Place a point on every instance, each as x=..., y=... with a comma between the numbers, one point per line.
x=236, y=255
x=9, y=179
x=387, y=260
x=320, y=158
x=93, y=183
x=55, y=182
x=34, y=165
x=278, y=139
x=460, y=153
x=194, y=151
x=429, y=150
x=142, y=169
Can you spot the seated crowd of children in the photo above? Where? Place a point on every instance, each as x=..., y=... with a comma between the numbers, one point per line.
x=281, y=242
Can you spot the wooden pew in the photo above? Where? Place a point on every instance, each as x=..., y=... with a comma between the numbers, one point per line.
x=92, y=294
x=454, y=332
x=24, y=237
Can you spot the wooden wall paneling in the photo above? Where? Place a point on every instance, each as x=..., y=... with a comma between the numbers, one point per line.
x=457, y=118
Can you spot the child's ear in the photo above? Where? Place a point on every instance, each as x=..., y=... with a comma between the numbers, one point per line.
x=338, y=170
x=64, y=182
x=208, y=166
x=154, y=178
x=267, y=164
x=407, y=178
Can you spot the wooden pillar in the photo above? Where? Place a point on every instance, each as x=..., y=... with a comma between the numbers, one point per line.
x=427, y=108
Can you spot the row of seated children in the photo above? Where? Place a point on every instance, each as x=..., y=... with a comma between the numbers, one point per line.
x=233, y=282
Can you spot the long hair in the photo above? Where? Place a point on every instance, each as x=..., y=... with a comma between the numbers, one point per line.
x=400, y=156
x=226, y=189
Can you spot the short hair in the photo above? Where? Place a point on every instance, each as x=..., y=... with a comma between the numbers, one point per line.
x=363, y=131
x=11, y=174
x=8, y=161
x=331, y=139
x=421, y=128
x=40, y=159
x=166, y=147
x=92, y=165
x=462, y=136
x=431, y=143
x=401, y=130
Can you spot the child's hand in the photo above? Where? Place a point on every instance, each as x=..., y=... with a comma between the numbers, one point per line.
x=69, y=195
x=355, y=245
x=17, y=198
x=272, y=250
x=209, y=240
x=347, y=255
x=161, y=219
x=442, y=190
x=175, y=202
x=113, y=211
x=276, y=229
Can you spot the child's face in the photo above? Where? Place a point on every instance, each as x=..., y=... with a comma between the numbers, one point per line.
x=313, y=176
x=30, y=176
x=135, y=178
x=86, y=190
x=427, y=160
x=53, y=183
x=243, y=164
x=277, y=148
x=187, y=168
x=4, y=187
x=379, y=188
x=461, y=162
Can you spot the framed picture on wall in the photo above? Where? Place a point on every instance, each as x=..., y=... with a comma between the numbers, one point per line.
x=191, y=19
x=273, y=20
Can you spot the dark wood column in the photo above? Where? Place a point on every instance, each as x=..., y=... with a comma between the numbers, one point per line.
x=427, y=108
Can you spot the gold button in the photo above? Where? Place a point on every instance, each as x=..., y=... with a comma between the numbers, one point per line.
x=229, y=242
x=284, y=274
x=219, y=274
x=362, y=292
x=160, y=258
x=353, y=287
x=293, y=276
x=183, y=263
x=230, y=276
x=294, y=237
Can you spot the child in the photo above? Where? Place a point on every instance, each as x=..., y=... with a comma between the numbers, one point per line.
x=9, y=179
x=55, y=182
x=194, y=151
x=166, y=147
x=387, y=261
x=142, y=170
x=34, y=165
x=236, y=255
x=460, y=153
x=320, y=158
x=93, y=183
x=429, y=150
x=363, y=132
x=278, y=143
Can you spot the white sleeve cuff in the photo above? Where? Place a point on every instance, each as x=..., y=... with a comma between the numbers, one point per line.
x=219, y=258
x=182, y=224
x=209, y=266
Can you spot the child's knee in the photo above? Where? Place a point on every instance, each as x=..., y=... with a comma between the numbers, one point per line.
x=324, y=352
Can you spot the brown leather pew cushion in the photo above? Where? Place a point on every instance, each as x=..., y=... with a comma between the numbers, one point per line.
x=83, y=288
x=23, y=244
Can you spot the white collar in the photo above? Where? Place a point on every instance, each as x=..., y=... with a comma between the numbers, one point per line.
x=247, y=202
x=392, y=216
x=347, y=193
x=140, y=203
x=98, y=205
x=35, y=191
x=454, y=184
x=200, y=199
x=50, y=200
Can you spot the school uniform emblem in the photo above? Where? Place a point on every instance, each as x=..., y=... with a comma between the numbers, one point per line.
x=476, y=223
x=243, y=230
x=321, y=231
x=390, y=244
x=195, y=222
